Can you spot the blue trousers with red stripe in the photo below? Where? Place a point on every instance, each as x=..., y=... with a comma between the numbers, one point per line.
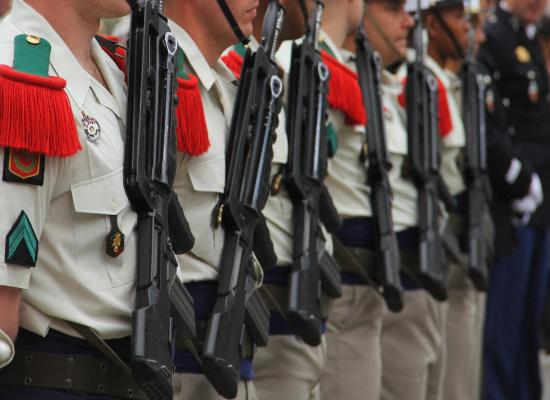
x=515, y=302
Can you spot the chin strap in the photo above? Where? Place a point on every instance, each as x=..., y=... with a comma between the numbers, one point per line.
x=372, y=19
x=233, y=22
x=449, y=33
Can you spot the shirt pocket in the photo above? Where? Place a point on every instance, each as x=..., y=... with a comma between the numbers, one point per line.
x=95, y=202
x=207, y=178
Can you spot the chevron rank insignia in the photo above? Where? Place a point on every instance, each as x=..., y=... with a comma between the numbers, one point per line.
x=21, y=243
x=23, y=167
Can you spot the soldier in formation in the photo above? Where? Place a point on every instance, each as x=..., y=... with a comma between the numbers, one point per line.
x=355, y=175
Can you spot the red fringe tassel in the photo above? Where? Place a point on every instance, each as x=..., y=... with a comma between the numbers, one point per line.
x=234, y=61
x=344, y=93
x=192, y=131
x=35, y=114
x=444, y=120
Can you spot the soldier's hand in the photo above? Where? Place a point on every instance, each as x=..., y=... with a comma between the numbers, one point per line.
x=533, y=199
x=7, y=349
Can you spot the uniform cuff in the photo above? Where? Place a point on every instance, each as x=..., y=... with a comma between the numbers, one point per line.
x=15, y=276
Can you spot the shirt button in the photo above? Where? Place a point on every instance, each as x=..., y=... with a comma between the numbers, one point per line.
x=114, y=205
x=512, y=130
x=506, y=102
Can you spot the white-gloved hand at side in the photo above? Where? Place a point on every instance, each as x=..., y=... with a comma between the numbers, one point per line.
x=533, y=199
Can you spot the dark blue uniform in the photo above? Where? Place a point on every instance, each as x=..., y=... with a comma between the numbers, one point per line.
x=518, y=127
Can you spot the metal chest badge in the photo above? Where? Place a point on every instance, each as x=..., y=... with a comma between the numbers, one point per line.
x=115, y=239
x=533, y=88
x=91, y=127
x=490, y=101
x=523, y=55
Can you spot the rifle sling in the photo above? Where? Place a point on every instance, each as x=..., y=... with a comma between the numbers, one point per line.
x=356, y=261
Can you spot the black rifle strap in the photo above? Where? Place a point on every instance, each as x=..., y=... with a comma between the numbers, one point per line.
x=303, y=9
x=93, y=338
x=233, y=22
x=448, y=32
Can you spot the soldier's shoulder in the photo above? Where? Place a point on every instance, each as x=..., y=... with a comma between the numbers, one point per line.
x=8, y=32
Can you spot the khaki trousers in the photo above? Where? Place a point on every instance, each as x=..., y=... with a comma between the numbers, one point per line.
x=197, y=387
x=413, y=349
x=288, y=369
x=465, y=317
x=353, y=370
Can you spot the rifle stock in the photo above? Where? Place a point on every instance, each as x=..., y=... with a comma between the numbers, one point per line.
x=387, y=249
x=162, y=303
x=424, y=162
x=249, y=158
x=304, y=174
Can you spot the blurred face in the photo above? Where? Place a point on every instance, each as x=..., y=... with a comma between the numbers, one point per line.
x=530, y=11
x=355, y=14
x=456, y=21
x=294, y=26
x=103, y=8
x=4, y=5
x=396, y=23
x=244, y=12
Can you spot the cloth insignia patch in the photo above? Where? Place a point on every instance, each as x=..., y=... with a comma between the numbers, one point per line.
x=21, y=243
x=23, y=167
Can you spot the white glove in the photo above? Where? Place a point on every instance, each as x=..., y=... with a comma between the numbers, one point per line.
x=533, y=199
x=7, y=350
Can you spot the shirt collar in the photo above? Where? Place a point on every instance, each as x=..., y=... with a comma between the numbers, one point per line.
x=62, y=60
x=438, y=71
x=194, y=56
x=116, y=97
x=331, y=45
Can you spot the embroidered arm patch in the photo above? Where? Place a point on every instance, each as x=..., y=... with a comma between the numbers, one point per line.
x=23, y=167
x=21, y=243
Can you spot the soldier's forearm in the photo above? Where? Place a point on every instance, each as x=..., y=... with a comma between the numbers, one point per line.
x=10, y=300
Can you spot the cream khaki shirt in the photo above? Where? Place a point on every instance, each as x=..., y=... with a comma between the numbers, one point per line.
x=74, y=279
x=347, y=175
x=200, y=180
x=405, y=195
x=454, y=142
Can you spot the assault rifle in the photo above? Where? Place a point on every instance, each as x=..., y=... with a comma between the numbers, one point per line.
x=252, y=133
x=162, y=302
x=424, y=162
x=387, y=250
x=473, y=106
x=304, y=175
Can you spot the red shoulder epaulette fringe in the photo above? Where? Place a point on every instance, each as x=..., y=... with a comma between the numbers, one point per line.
x=192, y=131
x=35, y=114
x=344, y=93
x=444, y=121
x=234, y=61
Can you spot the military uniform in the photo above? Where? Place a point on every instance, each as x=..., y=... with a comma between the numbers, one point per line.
x=199, y=182
x=465, y=304
x=519, y=277
x=57, y=213
x=413, y=341
x=353, y=369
